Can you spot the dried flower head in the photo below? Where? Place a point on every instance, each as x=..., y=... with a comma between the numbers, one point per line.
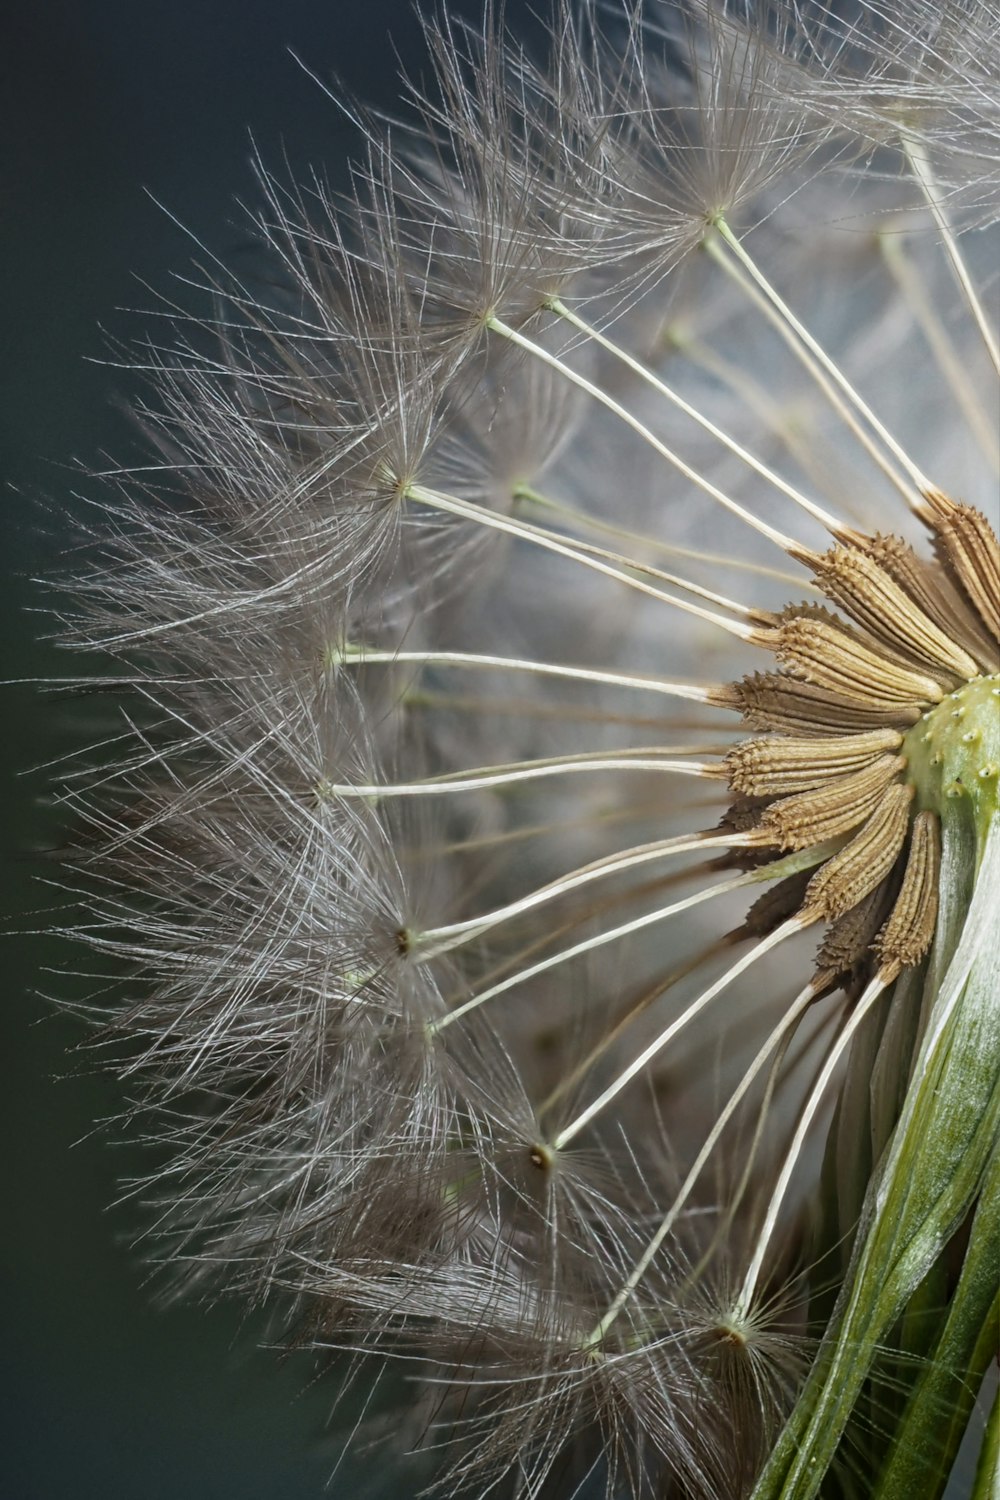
x=556, y=833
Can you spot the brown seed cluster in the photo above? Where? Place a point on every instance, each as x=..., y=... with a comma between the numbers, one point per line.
x=904, y=633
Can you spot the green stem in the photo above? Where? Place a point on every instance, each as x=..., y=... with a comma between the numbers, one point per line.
x=931, y=1174
x=927, y=1439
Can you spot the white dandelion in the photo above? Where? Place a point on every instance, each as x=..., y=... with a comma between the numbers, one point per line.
x=555, y=838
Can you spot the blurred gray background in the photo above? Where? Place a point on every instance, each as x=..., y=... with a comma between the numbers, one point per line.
x=102, y=103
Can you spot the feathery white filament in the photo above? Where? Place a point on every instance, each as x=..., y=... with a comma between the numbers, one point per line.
x=525, y=494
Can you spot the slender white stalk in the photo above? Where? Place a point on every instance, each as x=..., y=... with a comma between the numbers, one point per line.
x=638, y=368
x=783, y=1030
x=525, y=494
x=823, y=369
x=650, y=994
x=533, y=532
x=796, y=439
x=687, y=584
x=823, y=464
x=589, y=945
x=907, y=278
x=922, y=170
x=440, y=939
x=779, y=538
x=479, y=777
x=613, y=864
x=735, y=1199
x=551, y=542
x=692, y=691
x=637, y=1065
x=745, y=1299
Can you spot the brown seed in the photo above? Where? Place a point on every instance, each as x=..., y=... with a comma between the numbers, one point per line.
x=908, y=933
x=848, y=941
x=786, y=705
x=773, y=767
x=865, y=862
x=968, y=547
x=830, y=810
x=826, y=652
x=928, y=584
x=852, y=578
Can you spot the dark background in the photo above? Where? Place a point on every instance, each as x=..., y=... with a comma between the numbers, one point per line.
x=103, y=103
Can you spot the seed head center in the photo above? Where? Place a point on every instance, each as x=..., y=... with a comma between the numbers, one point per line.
x=954, y=751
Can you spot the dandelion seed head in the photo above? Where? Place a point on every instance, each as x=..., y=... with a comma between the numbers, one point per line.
x=563, y=688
